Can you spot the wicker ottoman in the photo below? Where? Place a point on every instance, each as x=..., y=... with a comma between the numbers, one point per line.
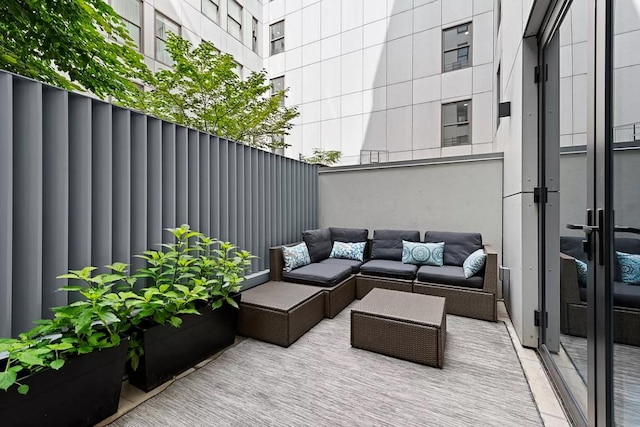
x=280, y=312
x=403, y=325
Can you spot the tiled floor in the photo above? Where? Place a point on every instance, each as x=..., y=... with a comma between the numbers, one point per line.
x=543, y=393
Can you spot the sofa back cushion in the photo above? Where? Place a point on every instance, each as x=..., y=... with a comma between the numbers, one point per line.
x=349, y=235
x=387, y=244
x=319, y=243
x=572, y=246
x=457, y=246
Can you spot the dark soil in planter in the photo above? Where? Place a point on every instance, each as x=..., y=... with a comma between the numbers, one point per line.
x=84, y=391
x=168, y=351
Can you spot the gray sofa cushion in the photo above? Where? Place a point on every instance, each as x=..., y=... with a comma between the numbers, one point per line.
x=355, y=265
x=389, y=268
x=348, y=235
x=449, y=275
x=623, y=295
x=457, y=246
x=319, y=243
x=387, y=244
x=318, y=274
x=572, y=246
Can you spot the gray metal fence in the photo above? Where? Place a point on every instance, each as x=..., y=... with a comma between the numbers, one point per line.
x=83, y=182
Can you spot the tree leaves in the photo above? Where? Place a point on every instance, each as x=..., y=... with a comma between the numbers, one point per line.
x=7, y=379
x=202, y=91
x=70, y=44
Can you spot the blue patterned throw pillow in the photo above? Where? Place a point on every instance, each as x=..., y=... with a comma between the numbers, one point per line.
x=630, y=268
x=295, y=256
x=474, y=263
x=423, y=253
x=353, y=251
x=582, y=272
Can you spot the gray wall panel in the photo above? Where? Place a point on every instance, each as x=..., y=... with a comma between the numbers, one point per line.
x=80, y=183
x=6, y=202
x=182, y=176
x=55, y=224
x=121, y=185
x=154, y=188
x=139, y=186
x=204, y=182
x=27, y=205
x=83, y=182
x=101, y=185
x=194, y=179
x=168, y=176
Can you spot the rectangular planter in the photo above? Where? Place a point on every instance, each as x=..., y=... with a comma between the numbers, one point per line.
x=168, y=351
x=84, y=391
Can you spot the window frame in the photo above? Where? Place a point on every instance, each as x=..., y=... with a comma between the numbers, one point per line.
x=255, y=31
x=272, y=40
x=141, y=5
x=468, y=122
x=229, y=17
x=217, y=4
x=468, y=46
x=155, y=35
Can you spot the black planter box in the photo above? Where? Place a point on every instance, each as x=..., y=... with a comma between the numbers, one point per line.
x=168, y=351
x=86, y=390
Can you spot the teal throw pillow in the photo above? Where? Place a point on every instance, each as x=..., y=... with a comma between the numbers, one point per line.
x=295, y=256
x=423, y=253
x=582, y=272
x=630, y=268
x=344, y=250
x=474, y=263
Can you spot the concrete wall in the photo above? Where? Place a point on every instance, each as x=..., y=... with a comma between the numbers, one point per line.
x=367, y=75
x=463, y=196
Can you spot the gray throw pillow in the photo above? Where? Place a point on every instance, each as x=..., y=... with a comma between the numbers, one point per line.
x=319, y=243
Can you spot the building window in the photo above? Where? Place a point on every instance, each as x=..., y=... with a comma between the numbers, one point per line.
x=456, y=46
x=456, y=123
x=210, y=9
x=164, y=26
x=277, y=37
x=131, y=13
x=254, y=35
x=277, y=85
x=234, y=19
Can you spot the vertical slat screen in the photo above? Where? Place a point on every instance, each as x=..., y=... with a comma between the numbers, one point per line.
x=83, y=182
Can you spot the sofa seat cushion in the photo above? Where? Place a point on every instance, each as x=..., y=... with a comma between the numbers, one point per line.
x=318, y=274
x=387, y=244
x=623, y=295
x=351, y=263
x=389, y=268
x=457, y=246
x=449, y=275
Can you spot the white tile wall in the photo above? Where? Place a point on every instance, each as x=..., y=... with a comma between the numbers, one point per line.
x=400, y=25
x=427, y=60
x=351, y=104
x=374, y=10
x=311, y=23
x=331, y=77
x=374, y=99
x=427, y=125
x=399, y=60
x=331, y=108
x=351, y=40
x=330, y=18
x=427, y=16
x=482, y=108
x=352, y=14
x=427, y=89
x=400, y=94
x=454, y=11
x=457, y=84
x=400, y=129
x=351, y=76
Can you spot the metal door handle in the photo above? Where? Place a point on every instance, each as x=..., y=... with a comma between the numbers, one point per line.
x=588, y=229
x=623, y=229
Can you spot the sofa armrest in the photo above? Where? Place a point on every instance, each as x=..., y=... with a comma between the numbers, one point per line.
x=490, y=270
x=569, y=288
x=276, y=262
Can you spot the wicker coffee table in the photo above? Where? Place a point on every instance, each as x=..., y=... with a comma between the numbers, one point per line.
x=401, y=324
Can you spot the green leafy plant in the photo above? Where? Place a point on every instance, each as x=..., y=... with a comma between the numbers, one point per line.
x=322, y=157
x=96, y=321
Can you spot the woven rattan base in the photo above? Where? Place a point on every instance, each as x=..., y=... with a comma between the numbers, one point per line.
x=261, y=319
x=407, y=326
x=462, y=301
x=339, y=296
x=364, y=284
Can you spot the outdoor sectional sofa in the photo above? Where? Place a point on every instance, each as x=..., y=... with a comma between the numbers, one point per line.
x=573, y=293
x=382, y=267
